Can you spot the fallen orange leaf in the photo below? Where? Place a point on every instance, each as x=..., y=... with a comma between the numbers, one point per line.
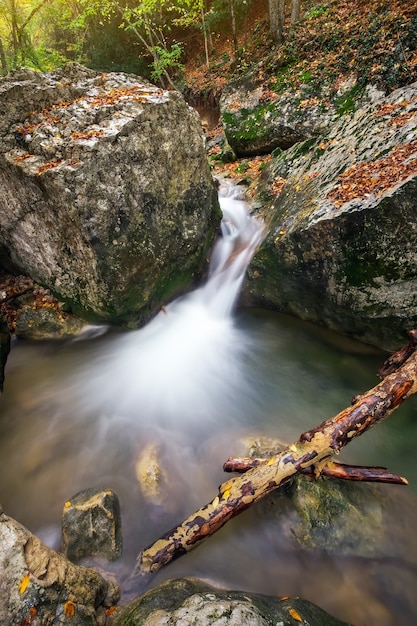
x=69, y=608
x=295, y=615
x=23, y=585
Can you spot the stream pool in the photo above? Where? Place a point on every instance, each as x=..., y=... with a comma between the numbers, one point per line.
x=194, y=385
x=286, y=377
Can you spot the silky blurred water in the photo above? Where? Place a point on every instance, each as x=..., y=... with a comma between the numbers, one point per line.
x=194, y=385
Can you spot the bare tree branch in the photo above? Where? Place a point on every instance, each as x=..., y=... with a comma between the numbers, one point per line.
x=331, y=469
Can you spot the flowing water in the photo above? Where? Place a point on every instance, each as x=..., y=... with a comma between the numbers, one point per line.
x=190, y=388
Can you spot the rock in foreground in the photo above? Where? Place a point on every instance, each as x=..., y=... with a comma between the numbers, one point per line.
x=39, y=586
x=190, y=601
x=106, y=195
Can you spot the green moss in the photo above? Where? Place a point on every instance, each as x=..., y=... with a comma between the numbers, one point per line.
x=346, y=103
x=317, y=11
x=359, y=271
x=242, y=167
x=248, y=124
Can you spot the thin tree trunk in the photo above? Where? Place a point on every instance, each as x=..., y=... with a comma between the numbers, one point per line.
x=276, y=20
x=15, y=39
x=206, y=45
x=233, y=17
x=3, y=61
x=313, y=449
x=149, y=48
x=295, y=11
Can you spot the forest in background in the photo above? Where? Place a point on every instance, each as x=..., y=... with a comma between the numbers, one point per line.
x=197, y=45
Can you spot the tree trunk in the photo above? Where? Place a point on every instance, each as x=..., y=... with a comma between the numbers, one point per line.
x=3, y=62
x=233, y=18
x=295, y=11
x=314, y=448
x=206, y=43
x=276, y=20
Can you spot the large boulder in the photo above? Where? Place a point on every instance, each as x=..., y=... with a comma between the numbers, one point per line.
x=189, y=601
x=106, y=195
x=341, y=248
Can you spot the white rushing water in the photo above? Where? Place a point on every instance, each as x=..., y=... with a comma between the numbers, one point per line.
x=185, y=363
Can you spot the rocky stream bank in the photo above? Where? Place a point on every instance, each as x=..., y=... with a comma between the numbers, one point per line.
x=108, y=202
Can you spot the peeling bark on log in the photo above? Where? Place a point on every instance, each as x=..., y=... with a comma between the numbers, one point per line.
x=331, y=469
x=313, y=449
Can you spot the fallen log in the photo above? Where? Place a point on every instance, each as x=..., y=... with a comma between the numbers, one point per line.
x=313, y=450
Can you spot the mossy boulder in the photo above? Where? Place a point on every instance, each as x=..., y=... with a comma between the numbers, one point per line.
x=189, y=601
x=91, y=525
x=341, y=248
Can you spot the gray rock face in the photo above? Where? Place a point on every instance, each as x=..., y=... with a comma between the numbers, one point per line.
x=39, y=586
x=342, y=244
x=106, y=195
x=189, y=601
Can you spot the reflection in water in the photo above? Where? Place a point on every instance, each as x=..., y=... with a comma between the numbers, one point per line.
x=195, y=383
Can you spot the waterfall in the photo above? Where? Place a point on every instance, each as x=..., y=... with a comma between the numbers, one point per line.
x=241, y=234
x=186, y=363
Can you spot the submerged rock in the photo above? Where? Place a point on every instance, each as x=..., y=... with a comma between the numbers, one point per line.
x=39, y=586
x=91, y=525
x=342, y=244
x=188, y=601
x=106, y=194
x=332, y=515
x=151, y=476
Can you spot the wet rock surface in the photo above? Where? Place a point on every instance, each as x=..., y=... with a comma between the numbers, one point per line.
x=258, y=120
x=30, y=311
x=91, y=525
x=106, y=194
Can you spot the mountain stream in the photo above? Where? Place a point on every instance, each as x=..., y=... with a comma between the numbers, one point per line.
x=190, y=389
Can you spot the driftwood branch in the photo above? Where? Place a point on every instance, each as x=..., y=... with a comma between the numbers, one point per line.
x=330, y=469
x=313, y=450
